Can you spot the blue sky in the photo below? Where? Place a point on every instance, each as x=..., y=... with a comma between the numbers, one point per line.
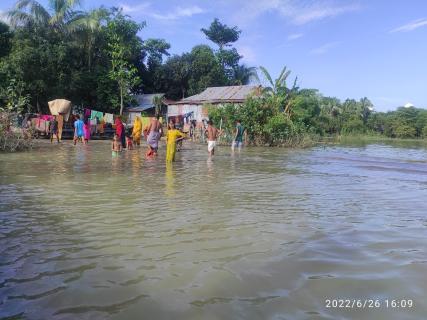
x=344, y=48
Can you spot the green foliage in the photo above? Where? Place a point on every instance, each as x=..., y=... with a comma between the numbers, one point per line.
x=305, y=107
x=205, y=71
x=244, y=75
x=279, y=128
x=221, y=34
x=121, y=71
x=14, y=98
x=278, y=90
x=405, y=131
x=353, y=125
x=12, y=139
x=5, y=39
x=156, y=49
x=177, y=72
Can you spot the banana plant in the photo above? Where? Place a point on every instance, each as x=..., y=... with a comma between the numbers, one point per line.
x=277, y=89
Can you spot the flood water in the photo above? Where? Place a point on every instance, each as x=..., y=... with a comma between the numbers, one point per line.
x=267, y=233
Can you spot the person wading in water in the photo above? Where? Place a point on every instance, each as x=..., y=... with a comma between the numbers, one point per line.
x=212, y=133
x=154, y=133
x=240, y=136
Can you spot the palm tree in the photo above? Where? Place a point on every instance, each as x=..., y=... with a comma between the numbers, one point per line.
x=366, y=109
x=245, y=75
x=158, y=103
x=31, y=12
x=278, y=89
x=87, y=26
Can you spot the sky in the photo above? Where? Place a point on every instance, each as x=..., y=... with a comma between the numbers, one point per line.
x=343, y=48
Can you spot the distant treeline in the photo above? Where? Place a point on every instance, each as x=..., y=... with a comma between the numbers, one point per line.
x=94, y=57
x=97, y=58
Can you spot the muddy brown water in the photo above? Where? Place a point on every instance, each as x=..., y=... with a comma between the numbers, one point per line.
x=262, y=234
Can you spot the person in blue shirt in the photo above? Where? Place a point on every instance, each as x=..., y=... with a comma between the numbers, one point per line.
x=78, y=130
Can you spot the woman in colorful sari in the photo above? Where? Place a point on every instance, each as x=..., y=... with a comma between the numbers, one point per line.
x=86, y=131
x=137, y=131
x=172, y=137
x=120, y=131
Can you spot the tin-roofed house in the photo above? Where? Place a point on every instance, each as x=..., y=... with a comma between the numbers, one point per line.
x=146, y=106
x=196, y=106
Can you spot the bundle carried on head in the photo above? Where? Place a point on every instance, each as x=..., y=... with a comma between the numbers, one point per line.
x=60, y=106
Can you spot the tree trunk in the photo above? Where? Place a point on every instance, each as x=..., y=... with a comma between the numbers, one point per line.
x=38, y=105
x=121, y=100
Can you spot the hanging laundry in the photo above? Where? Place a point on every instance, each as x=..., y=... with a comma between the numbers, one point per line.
x=109, y=118
x=93, y=122
x=87, y=113
x=47, y=117
x=40, y=125
x=96, y=115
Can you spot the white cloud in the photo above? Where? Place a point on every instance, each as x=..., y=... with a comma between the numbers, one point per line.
x=249, y=55
x=140, y=8
x=3, y=17
x=179, y=12
x=298, y=12
x=318, y=11
x=324, y=48
x=411, y=26
x=294, y=36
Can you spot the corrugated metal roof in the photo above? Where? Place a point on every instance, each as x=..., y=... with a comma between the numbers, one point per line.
x=214, y=95
x=145, y=102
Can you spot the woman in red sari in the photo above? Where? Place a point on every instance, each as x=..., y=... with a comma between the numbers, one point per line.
x=120, y=131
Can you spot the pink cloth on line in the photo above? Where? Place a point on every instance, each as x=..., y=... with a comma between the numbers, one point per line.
x=46, y=117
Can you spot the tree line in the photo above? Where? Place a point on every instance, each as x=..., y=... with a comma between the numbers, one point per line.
x=98, y=58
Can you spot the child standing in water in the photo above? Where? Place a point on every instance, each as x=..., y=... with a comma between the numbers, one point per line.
x=116, y=146
x=172, y=137
x=129, y=143
x=78, y=130
x=54, y=130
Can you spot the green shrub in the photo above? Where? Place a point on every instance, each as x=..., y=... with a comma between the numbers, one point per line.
x=13, y=139
x=353, y=125
x=279, y=129
x=405, y=131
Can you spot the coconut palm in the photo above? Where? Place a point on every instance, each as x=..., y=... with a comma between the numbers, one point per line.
x=245, y=75
x=86, y=26
x=31, y=12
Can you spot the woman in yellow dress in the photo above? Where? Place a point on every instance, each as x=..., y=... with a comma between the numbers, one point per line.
x=137, y=130
x=172, y=137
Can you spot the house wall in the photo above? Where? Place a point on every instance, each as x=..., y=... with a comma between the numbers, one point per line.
x=200, y=112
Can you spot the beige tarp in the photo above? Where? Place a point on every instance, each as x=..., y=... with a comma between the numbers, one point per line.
x=60, y=106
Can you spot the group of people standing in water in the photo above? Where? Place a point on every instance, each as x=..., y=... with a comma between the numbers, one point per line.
x=124, y=139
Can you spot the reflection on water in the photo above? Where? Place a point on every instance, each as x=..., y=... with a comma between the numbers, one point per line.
x=261, y=234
